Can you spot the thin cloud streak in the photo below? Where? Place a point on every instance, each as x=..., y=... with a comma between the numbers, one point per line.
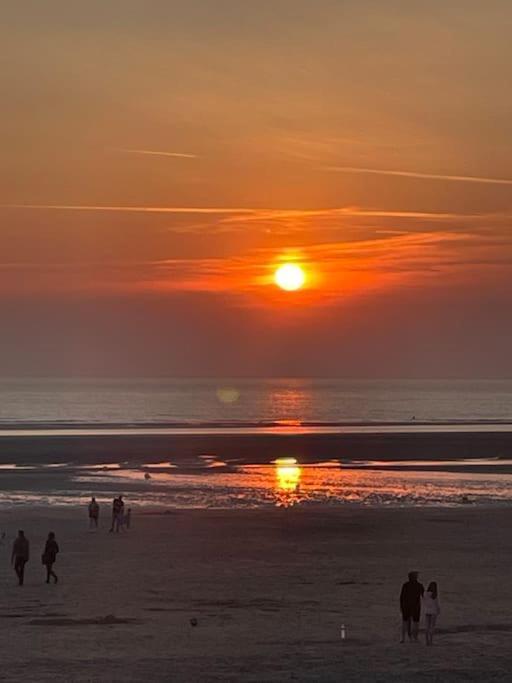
x=254, y=213
x=134, y=209
x=150, y=152
x=424, y=176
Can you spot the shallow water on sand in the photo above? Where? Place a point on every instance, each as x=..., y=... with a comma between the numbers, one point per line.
x=211, y=483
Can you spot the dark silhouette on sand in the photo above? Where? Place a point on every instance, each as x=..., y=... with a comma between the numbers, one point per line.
x=49, y=556
x=410, y=606
x=117, y=513
x=94, y=513
x=20, y=555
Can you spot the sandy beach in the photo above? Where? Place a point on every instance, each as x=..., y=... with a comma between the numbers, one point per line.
x=269, y=589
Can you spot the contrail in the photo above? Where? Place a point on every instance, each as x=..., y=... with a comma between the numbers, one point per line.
x=179, y=155
x=134, y=209
x=426, y=176
x=253, y=213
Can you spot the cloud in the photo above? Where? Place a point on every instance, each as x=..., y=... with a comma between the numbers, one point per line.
x=424, y=176
x=336, y=269
x=150, y=152
x=253, y=213
x=128, y=209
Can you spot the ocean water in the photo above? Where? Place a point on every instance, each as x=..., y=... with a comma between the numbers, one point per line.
x=32, y=407
x=250, y=402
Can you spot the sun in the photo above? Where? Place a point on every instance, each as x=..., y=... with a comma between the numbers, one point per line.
x=290, y=277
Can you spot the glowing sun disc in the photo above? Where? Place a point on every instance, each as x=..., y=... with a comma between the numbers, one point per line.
x=289, y=277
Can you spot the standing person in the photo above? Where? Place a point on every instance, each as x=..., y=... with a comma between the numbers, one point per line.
x=115, y=508
x=117, y=513
x=49, y=556
x=20, y=555
x=410, y=606
x=432, y=610
x=94, y=513
x=128, y=518
x=120, y=514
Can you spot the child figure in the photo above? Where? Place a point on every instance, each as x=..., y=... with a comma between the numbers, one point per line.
x=431, y=610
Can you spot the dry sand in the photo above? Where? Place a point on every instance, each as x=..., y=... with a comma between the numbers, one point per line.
x=269, y=589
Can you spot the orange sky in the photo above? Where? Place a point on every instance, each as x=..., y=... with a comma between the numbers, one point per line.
x=161, y=153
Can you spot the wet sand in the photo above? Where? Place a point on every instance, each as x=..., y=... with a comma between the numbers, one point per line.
x=256, y=448
x=269, y=589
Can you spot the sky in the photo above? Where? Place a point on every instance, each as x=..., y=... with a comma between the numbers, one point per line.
x=160, y=159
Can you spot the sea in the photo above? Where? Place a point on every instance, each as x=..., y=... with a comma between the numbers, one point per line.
x=250, y=403
x=49, y=408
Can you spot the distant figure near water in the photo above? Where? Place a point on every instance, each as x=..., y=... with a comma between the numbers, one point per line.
x=49, y=556
x=117, y=513
x=20, y=555
x=94, y=513
x=410, y=606
x=432, y=610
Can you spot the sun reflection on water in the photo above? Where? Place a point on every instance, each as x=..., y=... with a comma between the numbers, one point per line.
x=288, y=475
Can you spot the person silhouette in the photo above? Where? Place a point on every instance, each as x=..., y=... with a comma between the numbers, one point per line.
x=49, y=556
x=117, y=513
x=94, y=513
x=431, y=610
x=20, y=555
x=410, y=606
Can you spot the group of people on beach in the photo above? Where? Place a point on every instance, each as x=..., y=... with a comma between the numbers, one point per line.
x=414, y=598
x=21, y=554
x=21, y=547
x=120, y=518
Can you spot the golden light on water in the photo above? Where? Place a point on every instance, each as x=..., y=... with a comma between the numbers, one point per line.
x=228, y=394
x=290, y=277
x=288, y=474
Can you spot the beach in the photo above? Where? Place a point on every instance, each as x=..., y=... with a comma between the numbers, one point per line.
x=269, y=588
x=442, y=442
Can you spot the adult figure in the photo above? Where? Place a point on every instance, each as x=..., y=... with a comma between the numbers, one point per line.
x=410, y=606
x=49, y=556
x=20, y=555
x=431, y=611
x=94, y=513
x=117, y=513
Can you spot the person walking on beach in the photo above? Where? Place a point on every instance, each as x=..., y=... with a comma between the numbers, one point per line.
x=431, y=610
x=117, y=513
x=410, y=606
x=20, y=555
x=49, y=556
x=94, y=513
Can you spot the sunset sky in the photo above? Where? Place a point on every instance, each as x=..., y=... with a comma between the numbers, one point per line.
x=160, y=159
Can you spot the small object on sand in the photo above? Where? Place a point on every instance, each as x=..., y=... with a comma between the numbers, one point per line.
x=465, y=500
x=343, y=632
x=147, y=476
x=193, y=621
